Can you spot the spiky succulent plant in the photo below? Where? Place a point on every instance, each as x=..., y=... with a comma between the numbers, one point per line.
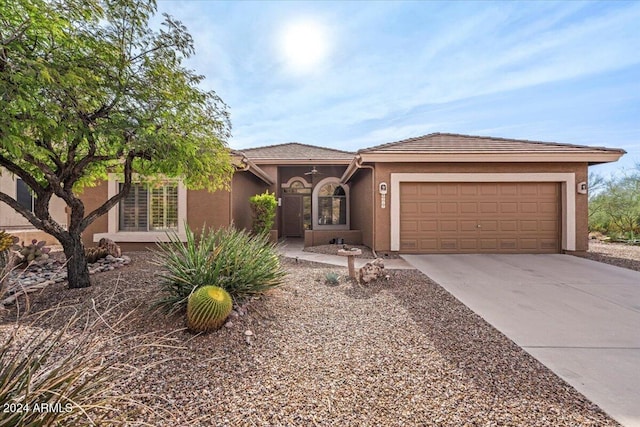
x=34, y=252
x=6, y=241
x=207, y=309
x=332, y=278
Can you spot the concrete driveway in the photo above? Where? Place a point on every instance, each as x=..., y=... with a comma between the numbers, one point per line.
x=578, y=317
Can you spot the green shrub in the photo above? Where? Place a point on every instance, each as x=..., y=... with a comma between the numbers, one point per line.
x=263, y=207
x=240, y=263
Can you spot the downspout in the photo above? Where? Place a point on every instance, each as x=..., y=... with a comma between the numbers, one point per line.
x=359, y=165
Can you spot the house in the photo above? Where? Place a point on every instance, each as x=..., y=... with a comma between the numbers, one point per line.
x=438, y=193
x=16, y=224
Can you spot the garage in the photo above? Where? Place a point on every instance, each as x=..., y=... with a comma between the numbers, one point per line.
x=480, y=217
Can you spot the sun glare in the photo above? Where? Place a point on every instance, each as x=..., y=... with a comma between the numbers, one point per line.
x=304, y=45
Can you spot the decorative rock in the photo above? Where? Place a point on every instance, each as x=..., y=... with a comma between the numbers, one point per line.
x=229, y=324
x=371, y=271
x=38, y=275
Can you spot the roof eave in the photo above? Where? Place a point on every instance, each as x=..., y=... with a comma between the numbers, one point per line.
x=293, y=162
x=591, y=157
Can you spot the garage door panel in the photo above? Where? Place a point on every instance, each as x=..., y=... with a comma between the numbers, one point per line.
x=508, y=207
x=508, y=244
x=429, y=226
x=449, y=244
x=529, y=207
x=449, y=208
x=529, y=244
x=508, y=226
x=409, y=208
x=410, y=188
x=449, y=190
x=468, y=225
x=468, y=190
x=468, y=207
x=468, y=244
x=428, y=207
x=488, y=189
x=488, y=244
x=509, y=190
x=549, y=226
x=488, y=207
x=448, y=225
x=480, y=217
x=528, y=225
x=409, y=245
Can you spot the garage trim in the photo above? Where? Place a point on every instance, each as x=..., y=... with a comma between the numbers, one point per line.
x=567, y=181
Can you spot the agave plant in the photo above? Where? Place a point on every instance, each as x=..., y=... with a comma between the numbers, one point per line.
x=241, y=263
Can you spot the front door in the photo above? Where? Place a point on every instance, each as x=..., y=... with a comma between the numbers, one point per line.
x=292, y=215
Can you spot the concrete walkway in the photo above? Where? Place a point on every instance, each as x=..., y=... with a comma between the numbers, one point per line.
x=578, y=317
x=293, y=248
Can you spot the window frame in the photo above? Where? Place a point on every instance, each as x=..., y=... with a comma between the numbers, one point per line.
x=19, y=182
x=113, y=219
x=315, y=205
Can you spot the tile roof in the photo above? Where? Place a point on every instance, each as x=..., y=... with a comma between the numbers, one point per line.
x=454, y=143
x=295, y=151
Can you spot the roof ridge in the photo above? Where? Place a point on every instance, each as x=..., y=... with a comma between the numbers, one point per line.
x=296, y=143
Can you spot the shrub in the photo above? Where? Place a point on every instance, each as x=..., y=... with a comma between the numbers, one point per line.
x=264, y=211
x=240, y=263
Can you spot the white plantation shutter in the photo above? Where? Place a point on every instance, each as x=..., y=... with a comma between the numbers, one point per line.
x=149, y=209
x=133, y=209
x=164, y=207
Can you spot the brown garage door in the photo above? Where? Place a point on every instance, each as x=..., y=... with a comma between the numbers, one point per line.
x=479, y=217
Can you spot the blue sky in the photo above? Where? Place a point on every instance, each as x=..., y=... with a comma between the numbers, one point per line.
x=350, y=75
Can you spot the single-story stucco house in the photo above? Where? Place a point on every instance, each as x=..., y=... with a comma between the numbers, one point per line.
x=438, y=193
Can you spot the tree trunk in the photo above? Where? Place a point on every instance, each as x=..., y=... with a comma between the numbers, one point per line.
x=77, y=268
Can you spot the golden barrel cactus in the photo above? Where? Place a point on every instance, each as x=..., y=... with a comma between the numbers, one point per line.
x=207, y=309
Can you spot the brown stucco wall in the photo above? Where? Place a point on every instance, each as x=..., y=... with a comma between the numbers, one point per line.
x=93, y=197
x=205, y=209
x=362, y=200
x=245, y=185
x=212, y=209
x=384, y=170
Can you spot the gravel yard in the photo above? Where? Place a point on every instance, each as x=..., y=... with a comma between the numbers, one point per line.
x=398, y=352
x=614, y=253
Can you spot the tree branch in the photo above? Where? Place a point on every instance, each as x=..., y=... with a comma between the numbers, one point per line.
x=22, y=210
x=22, y=174
x=106, y=206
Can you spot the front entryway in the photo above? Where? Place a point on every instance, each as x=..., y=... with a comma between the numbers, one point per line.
x=293, y=225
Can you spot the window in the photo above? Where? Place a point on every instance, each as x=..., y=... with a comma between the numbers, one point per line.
x=330, y=205
x=149, y=208
x=23, y=194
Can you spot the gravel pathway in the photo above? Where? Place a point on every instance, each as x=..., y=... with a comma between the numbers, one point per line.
x=400, y=352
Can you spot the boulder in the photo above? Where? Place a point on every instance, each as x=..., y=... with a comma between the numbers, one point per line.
x=371, y=271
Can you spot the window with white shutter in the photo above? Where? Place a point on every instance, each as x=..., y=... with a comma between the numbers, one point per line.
x=148, y=208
